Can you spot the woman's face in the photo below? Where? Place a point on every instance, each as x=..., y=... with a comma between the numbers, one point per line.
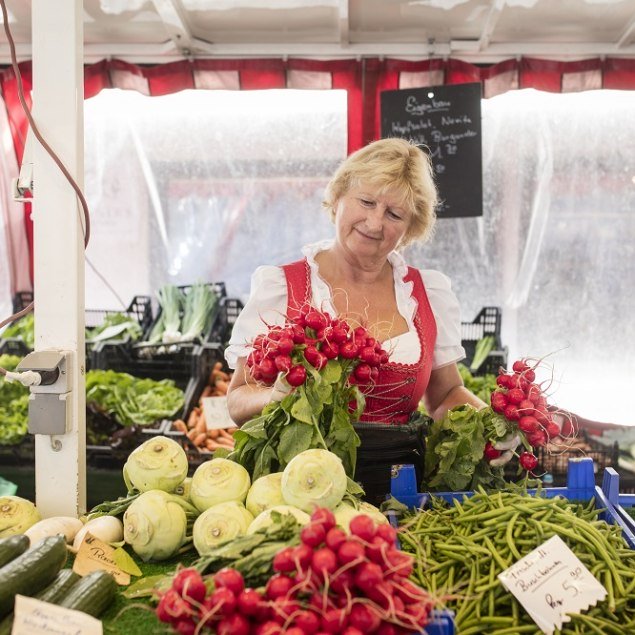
x=368, y=223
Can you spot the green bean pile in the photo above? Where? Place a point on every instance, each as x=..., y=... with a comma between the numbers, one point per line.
x=460, y=550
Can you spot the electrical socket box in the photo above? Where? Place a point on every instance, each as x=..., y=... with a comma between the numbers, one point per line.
x=49, y=403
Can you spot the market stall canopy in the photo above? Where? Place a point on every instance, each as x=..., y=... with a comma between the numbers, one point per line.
x=150, y=31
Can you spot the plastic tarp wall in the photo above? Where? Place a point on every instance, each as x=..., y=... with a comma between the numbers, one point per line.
x=208, y=186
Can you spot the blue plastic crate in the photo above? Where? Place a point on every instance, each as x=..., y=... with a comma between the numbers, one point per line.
x=611, y=489
x=442, y=623
x=580, y=487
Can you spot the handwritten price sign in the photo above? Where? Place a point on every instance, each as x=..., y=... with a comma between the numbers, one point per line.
x=550, y=582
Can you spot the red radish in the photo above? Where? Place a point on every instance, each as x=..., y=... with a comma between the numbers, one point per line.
x=511, y=412
x=363, y=618
x=520, y=366
x=283, y=608
x=537, y=439
x=527, y=461
x=283, y=561
x=294, y=630
x=351, y=630
x=173, y=607
x=249, y=602
x=296, y=375
x=376, y=550
x=528, y=424
x=324, y=561
x=503, y=381
x=526, y=407
x=223, y=601
x=283, y=363
x=302, y=555
x=515, y=396
x=330, y=350
x=498, y=401
x=278, y=586
x=342, y=581
x=333, y=621
x=313, y=534
x=362, y=373
x=363, y=527
x=350, y=552
x=189, y=584
x=553, y=429
x=491, y=452
x=307, y=621
x=233, y=625
x=348, y=350
x=230, y=579
x=367, y=575
x=325, y=517
x=401, y=563
x=185, y=627
x=268, y=628
x=335, y=537
x=388, y=533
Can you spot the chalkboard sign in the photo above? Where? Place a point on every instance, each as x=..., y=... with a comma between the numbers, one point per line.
x=447, y=121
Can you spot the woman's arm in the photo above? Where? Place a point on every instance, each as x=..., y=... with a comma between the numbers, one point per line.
x=446, y=390
x=245, y=398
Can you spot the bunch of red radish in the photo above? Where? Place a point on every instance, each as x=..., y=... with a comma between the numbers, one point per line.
x=330, y=583
x=311, y=340
x=523, y=403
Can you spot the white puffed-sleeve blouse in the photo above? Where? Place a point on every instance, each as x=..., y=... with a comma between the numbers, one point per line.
x=267, y=305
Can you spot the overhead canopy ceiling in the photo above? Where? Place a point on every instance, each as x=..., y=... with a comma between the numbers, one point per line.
x=153, y=31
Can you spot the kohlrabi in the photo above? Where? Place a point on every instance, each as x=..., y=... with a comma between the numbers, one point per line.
x=218, y=481
x=159, y=463
x=314, y=478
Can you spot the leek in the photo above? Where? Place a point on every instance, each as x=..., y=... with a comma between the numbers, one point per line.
x=199, y=304
x=171, y=301
x=483, y=348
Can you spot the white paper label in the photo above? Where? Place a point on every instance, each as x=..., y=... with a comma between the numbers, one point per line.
x=550, y=582
x=216, y=413
x=34, y=616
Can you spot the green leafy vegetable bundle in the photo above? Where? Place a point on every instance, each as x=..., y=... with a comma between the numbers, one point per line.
x=23, y=330
x=329, y=365
x=133, y=401
x=14, y=405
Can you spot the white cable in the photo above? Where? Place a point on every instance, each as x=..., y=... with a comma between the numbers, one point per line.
x=26, y=378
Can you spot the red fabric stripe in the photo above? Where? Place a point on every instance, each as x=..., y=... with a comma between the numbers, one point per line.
x=169, y=78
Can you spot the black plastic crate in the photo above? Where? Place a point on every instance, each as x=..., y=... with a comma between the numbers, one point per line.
x=555, y=462
x=139, y=309
x=21, y=300
x=230, y=309
x=180, y=365
x=218, y=288
x=13, y=346
x=487, y=322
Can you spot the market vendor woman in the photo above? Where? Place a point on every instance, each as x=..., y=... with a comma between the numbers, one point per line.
x=380, y=199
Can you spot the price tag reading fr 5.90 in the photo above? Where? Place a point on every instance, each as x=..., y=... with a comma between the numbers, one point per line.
x=550, y=582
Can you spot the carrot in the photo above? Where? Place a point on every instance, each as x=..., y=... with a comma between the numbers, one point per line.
x=212, y=433
x=191, y=434
x=223, y=434
x=211, y=445
x=200, y=439
x=200, y=426
x=222, y=386
x=179, y=425
x=231, y=430
x=207, y=391
x=191, y=420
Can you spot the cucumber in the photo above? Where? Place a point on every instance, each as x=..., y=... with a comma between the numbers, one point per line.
x=32, y=571
x=12, y=547
x=92, y=594
x=59, y=588
x=54, y=593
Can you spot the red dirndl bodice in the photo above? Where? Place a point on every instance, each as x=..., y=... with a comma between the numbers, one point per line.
x=399, y=387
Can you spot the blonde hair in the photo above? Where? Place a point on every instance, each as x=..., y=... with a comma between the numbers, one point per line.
x=396, y=165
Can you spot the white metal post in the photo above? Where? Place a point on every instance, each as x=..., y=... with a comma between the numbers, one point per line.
x=58, y=96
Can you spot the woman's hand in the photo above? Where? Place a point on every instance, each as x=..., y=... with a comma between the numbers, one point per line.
x=246, y=398
x=446, y=391
x=280, y=389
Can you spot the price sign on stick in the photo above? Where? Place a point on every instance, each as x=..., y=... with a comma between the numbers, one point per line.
x=550, y=582
x=216, y=413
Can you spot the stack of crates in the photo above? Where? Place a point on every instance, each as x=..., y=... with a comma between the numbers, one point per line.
x=487, y=322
